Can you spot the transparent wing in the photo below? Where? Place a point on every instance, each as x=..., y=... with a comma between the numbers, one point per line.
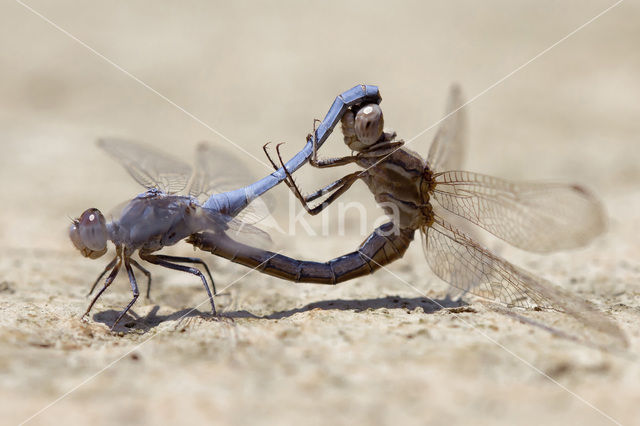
x=466, y=265
x=115, y=212
x=448, y=146
x=538, y=217
x=219, y=171
x=150, y=168
x=236, y=229
x=248, y=234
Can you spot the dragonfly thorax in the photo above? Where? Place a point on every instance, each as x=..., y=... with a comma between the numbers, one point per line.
x=154, y=220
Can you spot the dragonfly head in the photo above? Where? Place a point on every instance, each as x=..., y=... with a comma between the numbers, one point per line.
x=88, y=234
x=366, y=125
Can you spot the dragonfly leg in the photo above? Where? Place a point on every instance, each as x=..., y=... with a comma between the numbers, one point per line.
x=291, y=183
x=266, y=152
x=134, y=289
x=328, y=162
x=333, y=162
x=381, y=149
x=157, y=260
x=180, y=259
x=317, y=194
x=341, y=184
x=108, y=281
x=314, y=136
x=145, y=272
x=106, y=269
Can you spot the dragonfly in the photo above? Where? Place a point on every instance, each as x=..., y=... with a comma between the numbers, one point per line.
x=419, y=195
x=171, y=208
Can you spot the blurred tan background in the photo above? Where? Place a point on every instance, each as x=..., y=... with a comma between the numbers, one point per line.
x=259, y=72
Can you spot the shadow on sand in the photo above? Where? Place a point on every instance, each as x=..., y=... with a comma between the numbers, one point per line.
x=143, y=324
x=134, y=322
x=359, y=305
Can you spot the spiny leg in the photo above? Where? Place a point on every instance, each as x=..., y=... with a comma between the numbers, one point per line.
x=106, y=268
x=107, y=282
x=144, y=271
x=266, y=152
x=331, y=187
x=292, y=185
x=181, y=259
x=151, y=258
x=341, y=184
x=380, y=149
x=134, y=289
x=377, y=151
x=314, y=137
x=329, y=162
x=333, y=162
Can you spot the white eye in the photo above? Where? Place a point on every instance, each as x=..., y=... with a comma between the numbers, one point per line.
x=369, y=124
x=89, y=234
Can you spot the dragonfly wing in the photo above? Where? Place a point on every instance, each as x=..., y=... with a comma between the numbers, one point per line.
x=466, y=265
x=248, y=234
x=218, y=171
x=150, y=168
x=236, y=229
x=448, y=146
x=539, y=217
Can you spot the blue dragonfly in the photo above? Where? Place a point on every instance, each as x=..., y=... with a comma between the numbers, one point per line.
x=171, y=209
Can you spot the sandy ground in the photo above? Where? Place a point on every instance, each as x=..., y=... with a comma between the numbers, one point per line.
x=371, y=351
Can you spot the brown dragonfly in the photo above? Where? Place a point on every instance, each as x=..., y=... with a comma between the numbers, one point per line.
x=418, y=195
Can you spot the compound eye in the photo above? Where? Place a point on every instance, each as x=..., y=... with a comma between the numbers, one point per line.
x=93, y=229
x=348, y=124
x=369, y=124
x=74, y=235
x=89, y=234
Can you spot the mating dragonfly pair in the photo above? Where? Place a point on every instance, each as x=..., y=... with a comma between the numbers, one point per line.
x=417, y=194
